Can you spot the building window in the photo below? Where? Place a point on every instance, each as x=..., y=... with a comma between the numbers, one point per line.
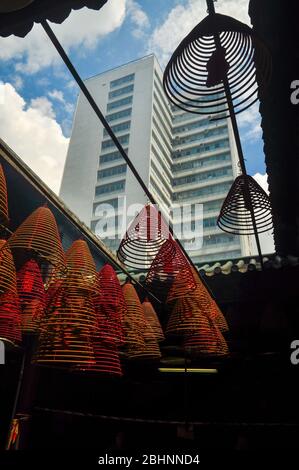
x=120, y=81
x=119, y=127
x=207, y=161
x=220, y=239
x=111, y=157
x=199, y=136
x=119, y=115
x=201, y=148
x=115, y=170
x=121, y=91
x=118, y=103
x=207, y=191
x=110, y=188
x=110, y=202
x=199, y=177
x=124, y=139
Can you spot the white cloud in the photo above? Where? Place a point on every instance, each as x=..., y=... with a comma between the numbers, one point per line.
x=138, y=17
x=31, y=130
x=83, y=28
x=183, y=18
x=56, y=95
x=17, y=82
x=250, y=123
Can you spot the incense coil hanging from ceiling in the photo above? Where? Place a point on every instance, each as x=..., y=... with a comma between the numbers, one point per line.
x=4, y=218
x=106, y=360
x=208, y=340
x=143, y=239
x=110, y=306
x=68, y=329
x=235, y=215
x=169, y=262
x=38, y=237
x=152, y=317
x=81, y=268
x=32, y=296
x=10, y=313
x=194, y=77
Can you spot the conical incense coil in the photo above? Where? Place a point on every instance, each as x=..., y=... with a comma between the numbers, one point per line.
x=152, y=318
x=195, y=75
x=134, y=322
x=68, y=330
x=10, y=317
x=169, y=262
x=107, y=360
x=183, y=285
x=81, y=268
x=4, y=219
x=143, y=239
x=38, y=235
x=8, y=278
x=110, y=306
x=32, y=296
x=208, y=340
x=186, y=316
x=235, y=215
x=214, y=311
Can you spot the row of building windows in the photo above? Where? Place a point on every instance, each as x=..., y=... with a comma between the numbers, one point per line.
x=163, y=180
x=201, y=148
x=200, y=136
x=159, y=192
x=111, y=157
x=212, y=206
x=110, y=187
x=110, y=202
x=209, y=190
x=120, y=81
x=115, y=170
x=186, y=116
x=191, y=126
x=162, y=121
x=207, y=161
x=115, y=223
x=123, y=126
x=162, y=136
x=118, y=103
x=119, y=115
x=219, y=239
x=206, y=175
x=121, y=91
x=160, y=160
x=124, y=139
x=161, y=148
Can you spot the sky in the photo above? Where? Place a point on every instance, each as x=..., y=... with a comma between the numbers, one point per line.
x=38, y=95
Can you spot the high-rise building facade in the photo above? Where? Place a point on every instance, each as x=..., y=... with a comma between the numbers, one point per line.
x=184, y=159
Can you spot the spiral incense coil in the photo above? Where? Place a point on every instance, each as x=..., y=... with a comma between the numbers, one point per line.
x=207, y=341
x=81, y=268
x=214, y=311
x=38, y=235
x=10, y=317
x=8, y=278
x=219, y=49
x=107, y=361
x=32, y=296
x=110, y=306
x=169, y=262
x=187, y=316
x=183, y=285
x=134, y=322
x=68, y=329
x=4, y=218
x=143, y=239
x=152, y=317
x=235, y=215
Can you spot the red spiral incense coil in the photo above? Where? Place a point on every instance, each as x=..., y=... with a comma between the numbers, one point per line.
x=134, y=322
x=152, y=317
x=81, y=268
x=32, y=296
x=8, y=277
x=143, y=239
x=214, y=311
x=68, y=329
x=4, y=218
x=38, y=236
x=10, y=317
x=110, y=306
x=169, y=262
x=208, y=340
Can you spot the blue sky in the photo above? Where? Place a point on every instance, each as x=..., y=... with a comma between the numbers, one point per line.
x=40, y=96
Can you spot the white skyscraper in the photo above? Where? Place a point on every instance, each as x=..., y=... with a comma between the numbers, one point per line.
x=183, y=158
